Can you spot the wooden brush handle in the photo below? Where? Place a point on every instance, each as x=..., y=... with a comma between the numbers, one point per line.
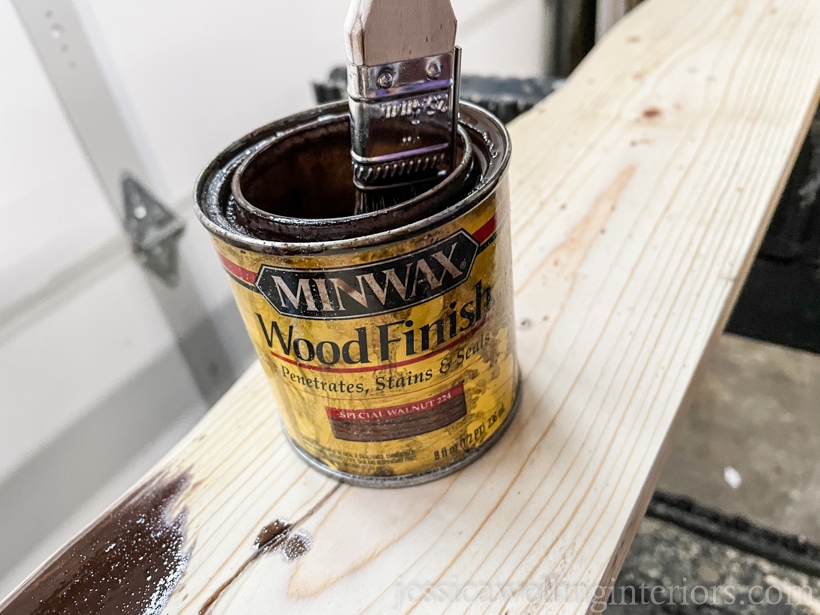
x=384, y=31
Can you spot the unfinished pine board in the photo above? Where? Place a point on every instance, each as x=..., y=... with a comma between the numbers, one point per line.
x=640, y=192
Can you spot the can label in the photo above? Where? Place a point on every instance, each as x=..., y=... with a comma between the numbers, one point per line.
x=393, y=359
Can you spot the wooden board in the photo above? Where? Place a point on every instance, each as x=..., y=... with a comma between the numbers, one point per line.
x=640, y=194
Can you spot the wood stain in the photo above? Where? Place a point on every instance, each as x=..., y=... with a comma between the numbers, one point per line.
x=130, y=561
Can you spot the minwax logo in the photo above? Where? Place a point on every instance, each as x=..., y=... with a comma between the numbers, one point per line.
x=375, y=288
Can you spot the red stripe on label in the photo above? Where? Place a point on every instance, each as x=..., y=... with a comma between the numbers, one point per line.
x=390, y=412
x=246, y=275
x=485, y=232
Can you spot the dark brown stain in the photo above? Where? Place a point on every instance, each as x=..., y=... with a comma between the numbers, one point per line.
x=271, y=533
x=651, y=113
x=273, y=537
x=127, y=563
x=295, y=546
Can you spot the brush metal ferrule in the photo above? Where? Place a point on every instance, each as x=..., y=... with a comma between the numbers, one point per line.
x=403, y=119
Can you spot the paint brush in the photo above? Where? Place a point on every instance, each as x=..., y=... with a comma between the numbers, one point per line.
x=403, y=76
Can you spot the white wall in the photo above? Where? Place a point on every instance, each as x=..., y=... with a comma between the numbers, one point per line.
x=81, y=334
x=199, y=74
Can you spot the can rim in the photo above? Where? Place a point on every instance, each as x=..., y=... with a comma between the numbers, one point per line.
x=400, y=214
x=219, y=172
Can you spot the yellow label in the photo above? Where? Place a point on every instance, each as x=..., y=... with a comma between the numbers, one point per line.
x=389, y=360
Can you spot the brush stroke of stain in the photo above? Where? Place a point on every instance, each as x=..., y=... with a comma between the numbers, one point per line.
x=128, y=562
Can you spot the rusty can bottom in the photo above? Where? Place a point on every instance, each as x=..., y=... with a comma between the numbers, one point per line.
x=411, y=480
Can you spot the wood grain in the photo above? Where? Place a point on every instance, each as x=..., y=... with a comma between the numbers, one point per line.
x=383, y=31
x=641, y=191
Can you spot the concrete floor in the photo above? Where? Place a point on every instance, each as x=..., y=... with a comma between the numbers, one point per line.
x=750, y=446
x=670, y=571
x=751, y=442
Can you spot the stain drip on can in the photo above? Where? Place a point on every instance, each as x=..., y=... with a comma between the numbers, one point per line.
x=388, y=337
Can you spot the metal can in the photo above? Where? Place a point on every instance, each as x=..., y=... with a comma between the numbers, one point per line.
x=388, y=338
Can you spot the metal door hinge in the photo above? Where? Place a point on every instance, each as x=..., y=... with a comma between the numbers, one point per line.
x=154, y=231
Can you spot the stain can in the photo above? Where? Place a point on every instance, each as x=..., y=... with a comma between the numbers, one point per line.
x=388, y=338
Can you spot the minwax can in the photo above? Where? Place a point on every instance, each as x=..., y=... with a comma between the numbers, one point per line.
x=388, y=338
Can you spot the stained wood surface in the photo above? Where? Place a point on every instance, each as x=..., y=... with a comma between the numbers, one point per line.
x=641, y=191
x=383, y=31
